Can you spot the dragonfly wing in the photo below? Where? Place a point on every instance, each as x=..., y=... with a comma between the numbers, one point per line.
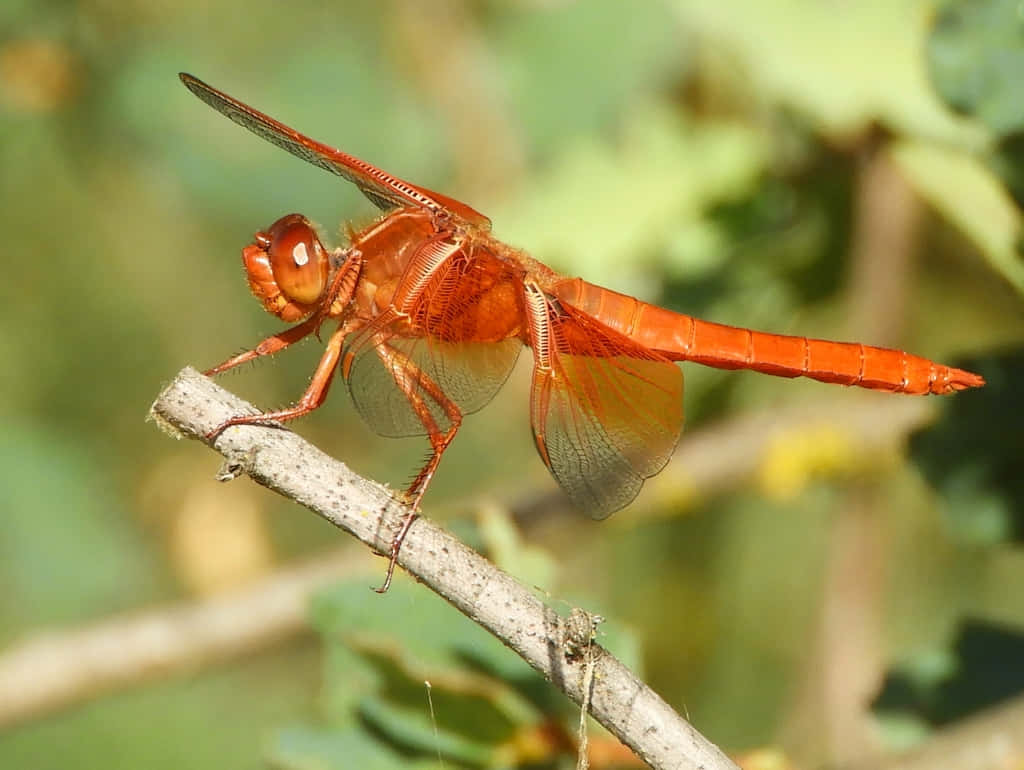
x=467, y=375
x=458, y=342
x=606, y=412
x=385, y=191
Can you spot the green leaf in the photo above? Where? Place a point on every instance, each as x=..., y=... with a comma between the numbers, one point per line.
x=971, y=197
x=976, y=57
x=411, y=637
x=601, y=207
x=418, y=729
x=427, y=680
x=310, y=748
x=842, y=66
x=428, y=632
x=530, y=564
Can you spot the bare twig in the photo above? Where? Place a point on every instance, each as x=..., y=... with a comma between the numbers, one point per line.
x=49, y=671
x=282, y=461
x=61, y=668
x=580, y=635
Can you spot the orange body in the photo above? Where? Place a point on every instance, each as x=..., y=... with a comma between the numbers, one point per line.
x=683, y=338
x=431, y=312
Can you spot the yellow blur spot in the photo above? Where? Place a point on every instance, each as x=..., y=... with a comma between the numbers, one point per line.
x=671, y=493
x=215, y=534
x=764, y=759
x=36, y=75
x=793, y=460
x=218, y=541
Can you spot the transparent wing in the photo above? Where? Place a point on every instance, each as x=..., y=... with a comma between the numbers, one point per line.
x=458, y=344
x=606, y=412
x=385, y=191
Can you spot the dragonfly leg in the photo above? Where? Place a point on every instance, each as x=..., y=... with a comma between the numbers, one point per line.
x=340, y=293
x=314, y=396
x=414, y=384
x=269, y=346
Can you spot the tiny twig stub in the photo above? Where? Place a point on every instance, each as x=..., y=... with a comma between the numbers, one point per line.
x=578, y=636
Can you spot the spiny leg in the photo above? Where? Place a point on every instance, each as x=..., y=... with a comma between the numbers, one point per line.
x=311, y=399
x=269, y=346
x=411, y=380
x=341, y=290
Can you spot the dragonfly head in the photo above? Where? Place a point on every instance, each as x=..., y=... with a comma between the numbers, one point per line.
x=287, y=267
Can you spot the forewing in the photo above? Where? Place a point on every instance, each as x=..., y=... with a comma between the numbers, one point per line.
x=454, y=347
x=606, y=412
x=385, y=191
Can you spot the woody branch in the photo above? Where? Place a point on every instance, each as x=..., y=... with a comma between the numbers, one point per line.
x=280, y=460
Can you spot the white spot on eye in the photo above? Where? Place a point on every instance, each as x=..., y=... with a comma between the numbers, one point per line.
x=300, y=255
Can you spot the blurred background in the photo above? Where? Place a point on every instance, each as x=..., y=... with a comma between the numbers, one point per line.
x=821, y=576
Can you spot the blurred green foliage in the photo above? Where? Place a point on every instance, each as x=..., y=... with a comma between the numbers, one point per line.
x=431, y=684
x=973, y=458
x=709, y=156
x=980, y=667
x=975, y=51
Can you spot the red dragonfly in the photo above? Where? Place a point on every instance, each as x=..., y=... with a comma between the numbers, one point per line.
x=431, y=312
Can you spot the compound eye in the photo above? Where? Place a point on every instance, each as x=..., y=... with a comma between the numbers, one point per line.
x=298, y=260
